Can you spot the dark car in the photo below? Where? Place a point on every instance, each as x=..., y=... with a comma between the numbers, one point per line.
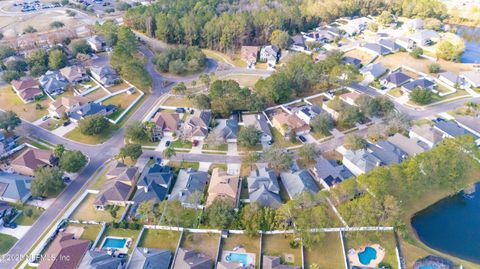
x=40, y=198
x=270, y=142
x=302, y=138
x=66, y=179
x=180, y=110
x=167, y=144
x=438, y=120
x=66, y=123
x=195, y=143
x=11, y=225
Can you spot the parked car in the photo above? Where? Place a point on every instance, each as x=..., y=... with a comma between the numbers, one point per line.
x=66, y=123
x=66, y=179
x=167, y=144
x=40, y=198
x=195, y=143
x=302, y=138
x=180, y=110
x=438, y=120
x=270, y=142
x=11, y=225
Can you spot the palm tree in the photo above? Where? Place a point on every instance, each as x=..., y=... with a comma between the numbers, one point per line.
x=169, y=152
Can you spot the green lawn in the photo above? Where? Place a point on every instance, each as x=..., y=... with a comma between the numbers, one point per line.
x=279, y=245
x=257, y=147
x=327, y=254
x=279, y=140
x=161, y=239
x=222, y=147
x=127, y=233
x=7, y=243
x=181, y=144
x=35, y=143
x=181, y=164
x=395, y=92
x=206, y=243
x=251, y=245
x=385, y=239
x=86, y=211
x=23, y=219
x=90, y=231
x=222, y=166
x=100, y=181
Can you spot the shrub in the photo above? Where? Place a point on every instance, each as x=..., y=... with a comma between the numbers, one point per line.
x=416, y=53
x=433, y=68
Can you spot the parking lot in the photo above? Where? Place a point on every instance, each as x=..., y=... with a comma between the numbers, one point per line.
x=33, y=6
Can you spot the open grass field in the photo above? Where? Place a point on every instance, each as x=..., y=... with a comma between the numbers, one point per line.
x=327, y=254
x=245, y=80
x=76, y=135
x=9, y=100
x=90, y=231
x=279, y=245
x=161, y=239
x=177, y=101
x=385, y=239
x=403, y=58
x=206, y=243
x=86, y=211
x=7, y=243
x=221, y=57
x=127, y=233
x=23, y=219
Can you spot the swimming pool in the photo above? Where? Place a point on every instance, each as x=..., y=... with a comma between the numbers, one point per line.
x=237, y=257
x=428, y=266
x=114, y=243
x=367, y=255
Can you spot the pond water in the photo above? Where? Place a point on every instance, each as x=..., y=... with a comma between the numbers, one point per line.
x=471, y=35
x=452, y=225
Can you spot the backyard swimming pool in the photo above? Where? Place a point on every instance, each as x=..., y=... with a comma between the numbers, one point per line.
x=117, y=243
x=237, y=257
x=367, y=255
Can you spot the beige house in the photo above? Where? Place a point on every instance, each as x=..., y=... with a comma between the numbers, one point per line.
x=66, y=105
x=75, y=74
x=197, y=126
x=286, y=123
x=27, y=89
x=31, y=159
x=350, y=98
x=222, y=185
x=165, y=122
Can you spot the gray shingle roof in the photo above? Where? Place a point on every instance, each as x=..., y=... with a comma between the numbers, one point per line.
x=331, y=172
x=387, y=152
x=377, y=48
x=53, y=81
x=14, y=187
x=188, y=182
x=259, y=121
x=450, y=76
x=397, y=78
x=298, y=182
x=100, y=260
x=421, y=83
x=151, y=258
x=451, y=128
x=362, y=159
x=190, y=259
x=376, y=69
x=263, y=188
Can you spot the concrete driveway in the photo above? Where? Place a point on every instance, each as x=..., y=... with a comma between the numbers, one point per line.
x=18, y=232
x=63, y=130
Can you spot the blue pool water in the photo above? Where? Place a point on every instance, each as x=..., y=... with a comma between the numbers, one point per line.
x=428, y=267
x=114, y=243
x=367, y=255
x=237, y=257
x=471, y=36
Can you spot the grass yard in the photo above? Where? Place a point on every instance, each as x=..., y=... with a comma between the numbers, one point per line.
x=221, y=57
x=245, y=80
x=38, y=144
x=246, y=169
x=181, y=144
x=122, y=100
x=90, y=231
x=7, y=243
x=458, y=93
x=86, y=211
x=385, y=239
x=318, y=135
x=100, y=181
x=222, y=166
x=395, y=92
x=317, y=100
x=222, y=147
x=127, y=233
x=244, y=189
x=257, y=147
x=23, y=219
x=279, y=245
x=182, y=164
x=279, y=140
x=251, y=245
x=161, y=239
x=51, y=124
x=9, y=100
x=206, y=243
x=177, y=101
x=96, y=94
x=76, y=135
x=118, y=87
x=327, y=254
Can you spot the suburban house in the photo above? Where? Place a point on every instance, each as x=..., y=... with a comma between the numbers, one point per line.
x=53, y=83
x=376, y=49
x=223, y=186
x=329, y=172
x=153, y=185
x=31, y=159
x=390, y=44
x=413, y=24
x=97, y=43
x=411, y=146
x=286, y=123
x=274, y=262
x=263, y=188
x=405, y=42
x=64, y=245
x=259, y=121
x=75, y=74
x=308, y=113
x=92, y=109
x=471, y=124
x=190, y=259
x=355, y=26
x=352, y=61
x=149, y=258
x=228, y=129
x=395, y=79
x=14, y=188
x=298, y=43
x=27, y=89
x=449, y=78
x=471, y=78
x=122, y=172
x=94, y=259
x=105, y=75
x=427, y=134
x=387, y=152
x=197, y=125
x=66, y=105
x=425, y=37
x=118, y=186
x=350, y=98
x=319, y=35
x=187, y=184
x=451, y=129
x=373, y=71
x=270, y=54
x=249, y=54
x=297, y=182
x=165, y=123
x=421, y=83
x=360, y=161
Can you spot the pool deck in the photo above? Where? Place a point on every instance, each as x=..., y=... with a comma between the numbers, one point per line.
x=355, y=261
x=123, y=250
x=251, y=257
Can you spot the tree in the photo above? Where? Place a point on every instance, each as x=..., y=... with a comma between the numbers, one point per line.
x=93, y=125
x=250, y=159
x=169, y=152
x=220, y=214
x=180, y=88
x=421, y=96
x=432, y=23
x=29, y=29
x=10, y=75
x=307, y=154
x=145, y=209
x=385, y=17
x=136, y=132
x=205, y=79
x=6, y=51
x=59, y=150
x=377, y=106
x=278, y=159
x=73, y=161
x=373, y=27
x=280, y=39
x=9, y=121
x=416, y=53
x=17, y=65
x=122, y=6
x=433, y=68
x=323, y=123
x=48, y=181
x=355, y=142
x=248, y=136
x=57, y=24
x=80, y=46
x=38, y=62
x=214, y=140
x=202, y=101
x=132, y=151
x=450, y=52
x=57, y=59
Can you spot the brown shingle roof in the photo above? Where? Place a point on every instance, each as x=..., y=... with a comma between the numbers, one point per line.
x=113, y=190
x=122, y=172
x=222, y=185
x=64, y=252
x=30, y=160
x=167, y=121
x=24, y=83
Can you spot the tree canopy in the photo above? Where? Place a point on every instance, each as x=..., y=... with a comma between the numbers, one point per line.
x=9, y=120
x=48, y=181
x=93, y=125
x=72, y=161
x=181, y=60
